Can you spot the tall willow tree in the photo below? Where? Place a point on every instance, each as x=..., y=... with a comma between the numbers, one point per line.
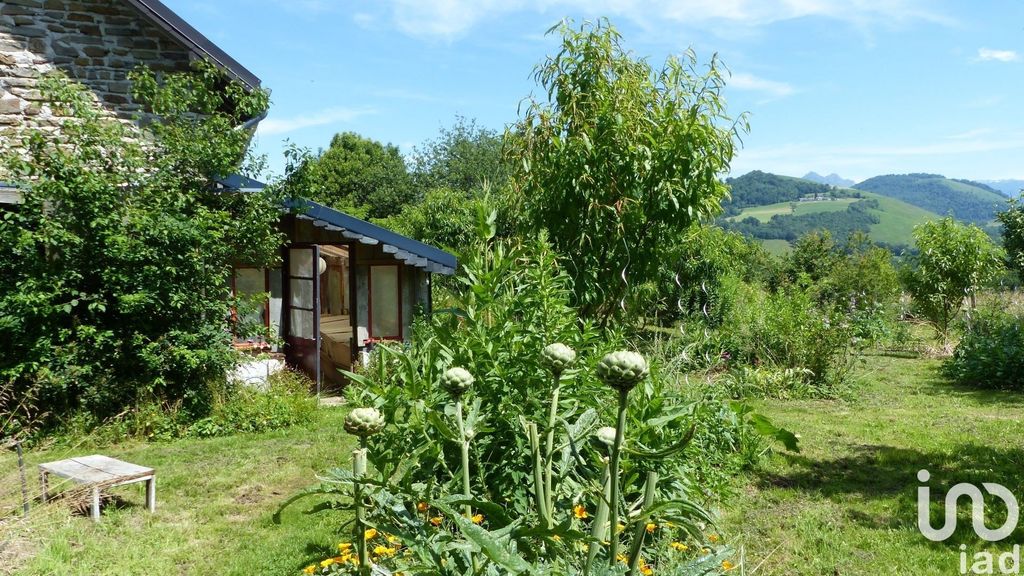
x=619, y=160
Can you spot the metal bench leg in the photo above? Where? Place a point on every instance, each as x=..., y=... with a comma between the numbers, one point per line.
x=45, y=494
x=95, y=504
x=151, y=493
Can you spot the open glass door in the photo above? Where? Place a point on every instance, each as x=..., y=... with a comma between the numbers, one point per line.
x=303, y=336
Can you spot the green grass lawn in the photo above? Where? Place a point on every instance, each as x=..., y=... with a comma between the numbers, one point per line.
x=215, y=500
x=846, y=505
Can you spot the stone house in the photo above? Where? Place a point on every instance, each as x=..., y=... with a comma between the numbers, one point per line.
x=344, y=284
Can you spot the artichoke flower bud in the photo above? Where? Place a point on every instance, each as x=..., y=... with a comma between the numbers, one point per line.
x=457, y=381
x=557, y=357
x=364, y=422
x=622, y=370
x=605, y=435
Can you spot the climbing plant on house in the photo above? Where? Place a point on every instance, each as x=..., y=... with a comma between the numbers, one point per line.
x=114, y=268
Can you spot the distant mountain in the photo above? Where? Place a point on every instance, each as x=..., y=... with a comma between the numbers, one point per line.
x=963, y=199
x=832, y=179
x=1009, y=187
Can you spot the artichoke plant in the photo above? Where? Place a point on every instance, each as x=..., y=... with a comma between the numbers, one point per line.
x=457, y=381
x=557, y=357
x=364, y=422
x=606, y=435
x=623, y=369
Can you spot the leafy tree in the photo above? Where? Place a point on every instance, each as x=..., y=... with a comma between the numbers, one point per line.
x=619, y=160
x=813, y=255
x=1012, y=220
x=463, y=157
x=953, y=261
x=113, y=270
x=361, y=176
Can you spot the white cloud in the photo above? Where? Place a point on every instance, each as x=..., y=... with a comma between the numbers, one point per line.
x=988, y=54
x=450, y=19
x=742, y=81
x=319, y=118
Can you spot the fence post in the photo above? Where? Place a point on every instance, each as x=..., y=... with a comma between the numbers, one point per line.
x=24, y=483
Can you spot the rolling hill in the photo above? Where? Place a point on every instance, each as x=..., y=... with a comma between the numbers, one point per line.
x=963, y=199
x=887, y=220
x=1009, y=187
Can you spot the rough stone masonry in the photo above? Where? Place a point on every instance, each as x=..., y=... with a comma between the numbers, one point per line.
x=96, y=42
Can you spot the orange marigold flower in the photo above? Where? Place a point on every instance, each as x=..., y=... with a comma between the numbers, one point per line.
x=646, y=570
x=422, y=507
x=713, y=538
x=579, y=511
x=651, y=527
x=309, y=569
x=436, y=520
x=726, y=565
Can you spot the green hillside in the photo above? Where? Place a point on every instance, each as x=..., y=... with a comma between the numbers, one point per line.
x=964, y=199
x=842, y=211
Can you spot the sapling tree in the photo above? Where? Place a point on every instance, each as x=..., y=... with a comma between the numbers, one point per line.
x=618, y=160
x=1012, y=220
x=953, y=262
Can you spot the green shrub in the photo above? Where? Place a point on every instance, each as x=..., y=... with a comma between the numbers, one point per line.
x=991, y=352
x=234, y=408
x=767, y=382
x=789, y=329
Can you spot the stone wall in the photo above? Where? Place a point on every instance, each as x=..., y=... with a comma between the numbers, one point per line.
x=96, y=42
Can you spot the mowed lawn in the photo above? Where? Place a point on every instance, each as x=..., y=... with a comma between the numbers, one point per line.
x=215, y=502
x=846, y=505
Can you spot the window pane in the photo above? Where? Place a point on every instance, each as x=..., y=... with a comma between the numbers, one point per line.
x=301, y=324
x=300, y=262
x=384, y=302
x=301, y=293
x=251, y=282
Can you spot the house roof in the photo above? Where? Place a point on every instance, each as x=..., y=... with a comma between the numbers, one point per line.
x=412, y=252
x=167, y=20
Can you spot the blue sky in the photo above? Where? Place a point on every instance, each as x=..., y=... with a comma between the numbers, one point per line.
x=857, y=87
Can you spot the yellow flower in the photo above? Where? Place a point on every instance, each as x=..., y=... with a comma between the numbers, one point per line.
x=705, y=550
x=556, y=538
x=646, y=570
x=309, y=569
x=679, y=546
x=384, y=551
x=370, y=534
x=620, y=527
x=327, y=562
x=436, y=520
x=579, y=511
x=726, y=565
x=344, y=546
x=392, y=539
x=651, y=526
x=713, y=538
x=477, y=518
x=622, y=558
x=422, y=507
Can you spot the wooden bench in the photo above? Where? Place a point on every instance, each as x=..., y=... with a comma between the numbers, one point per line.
x=98, y=473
